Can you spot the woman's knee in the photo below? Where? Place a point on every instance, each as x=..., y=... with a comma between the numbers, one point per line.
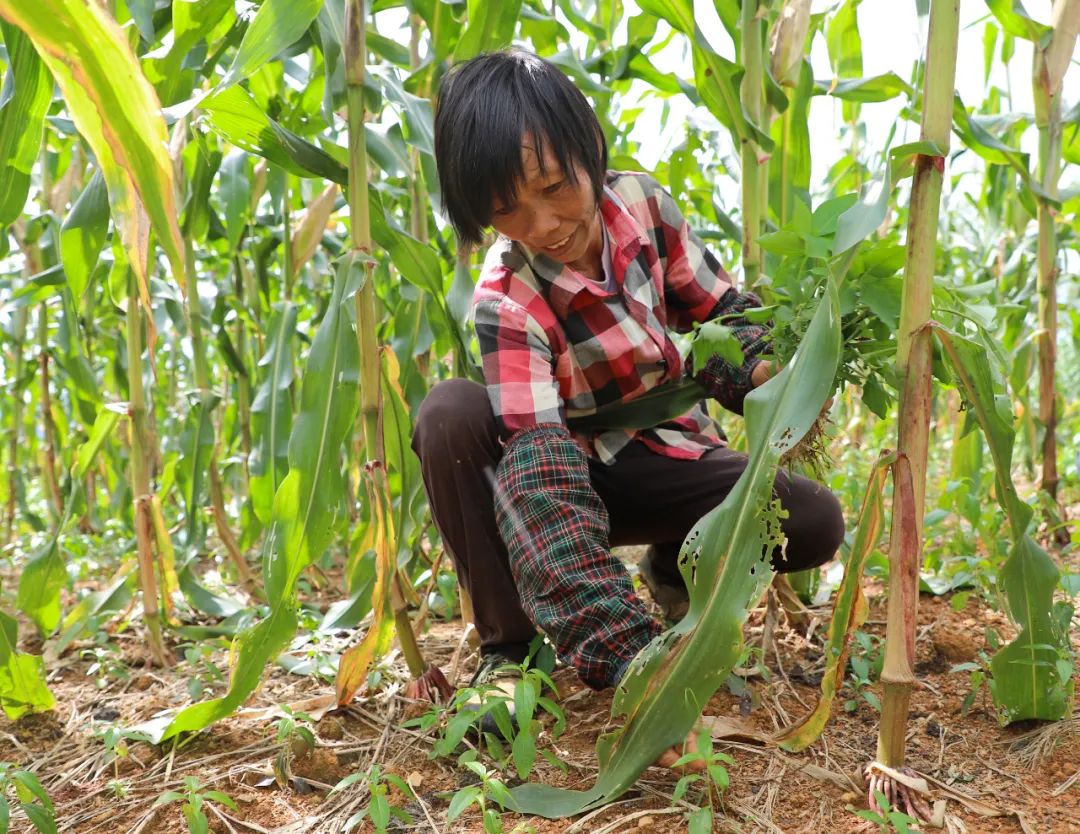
x=814, y=528
x=455, y=412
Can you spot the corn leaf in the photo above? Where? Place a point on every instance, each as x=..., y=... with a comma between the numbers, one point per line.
x=83, y=234
x=271, y=413
x=490, y=26
x=1028, y=681
x=849, y=611
x=197, y=446
x=307, y=506
x=1015, y=20
x=789, y=170
x=235, y=116
x=871, y=89
x=45, y=573
x=277, y=25
x=659, y=405
x=724, y=563
x=24, y=99
x=845, y=49
x=717, y=78
x=117, y=112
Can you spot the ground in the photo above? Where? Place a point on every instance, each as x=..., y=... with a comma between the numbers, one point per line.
x=1025, y=773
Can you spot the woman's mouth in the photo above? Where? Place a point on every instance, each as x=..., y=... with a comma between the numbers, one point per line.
x=559, y=244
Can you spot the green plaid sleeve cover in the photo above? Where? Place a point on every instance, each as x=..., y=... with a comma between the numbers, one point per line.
x=556, y=531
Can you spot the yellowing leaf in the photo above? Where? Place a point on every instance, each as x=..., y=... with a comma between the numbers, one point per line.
x=117, y=112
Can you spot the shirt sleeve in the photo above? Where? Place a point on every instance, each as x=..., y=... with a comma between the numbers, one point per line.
x=556, y=532
x=698, y=289
x=518, y=366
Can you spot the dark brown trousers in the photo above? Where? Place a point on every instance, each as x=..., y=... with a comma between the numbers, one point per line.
x=651, y=499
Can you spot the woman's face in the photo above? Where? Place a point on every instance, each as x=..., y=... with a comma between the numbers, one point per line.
x=551, y=213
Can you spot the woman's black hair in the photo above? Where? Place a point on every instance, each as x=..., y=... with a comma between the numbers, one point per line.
x=485, y=108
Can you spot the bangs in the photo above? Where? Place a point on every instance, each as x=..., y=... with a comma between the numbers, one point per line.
x=486, y=109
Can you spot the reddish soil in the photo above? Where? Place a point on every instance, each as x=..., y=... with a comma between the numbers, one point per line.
x=1026, y=772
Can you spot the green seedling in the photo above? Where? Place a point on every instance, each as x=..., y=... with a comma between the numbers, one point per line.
x=31, y=798
x=889, y=819
x=378, y=810
x=195, y=797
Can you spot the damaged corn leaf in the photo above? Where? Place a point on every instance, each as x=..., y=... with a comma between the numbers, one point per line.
x=723, y=561
x=849, y=611
x=1032, y=675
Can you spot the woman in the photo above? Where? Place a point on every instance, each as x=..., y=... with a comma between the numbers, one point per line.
x=592, y=272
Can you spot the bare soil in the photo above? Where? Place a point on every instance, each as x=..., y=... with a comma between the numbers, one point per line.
x=1027, y=774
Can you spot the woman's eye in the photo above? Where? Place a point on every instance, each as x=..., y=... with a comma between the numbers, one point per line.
x=555, y=187
x=505, y=211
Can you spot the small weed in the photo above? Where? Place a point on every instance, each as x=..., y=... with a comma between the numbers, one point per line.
x=32, y=799
x=867, y=658
x=204, y=673
x=491, y=789
x=378, y=810
x=296, y=738
x=714, y=780
x=889, y=819
x=106, y=663
x=195, y=797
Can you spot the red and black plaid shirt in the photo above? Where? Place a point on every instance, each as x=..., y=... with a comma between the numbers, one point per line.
x=556, y=344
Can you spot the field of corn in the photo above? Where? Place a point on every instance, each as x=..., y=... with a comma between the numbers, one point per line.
x=226, y=286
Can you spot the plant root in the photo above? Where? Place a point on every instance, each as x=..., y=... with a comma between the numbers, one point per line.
x=430, y=686
x=811, y=454
x=904, y=790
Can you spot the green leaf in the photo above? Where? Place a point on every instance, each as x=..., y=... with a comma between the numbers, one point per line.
x=723, y=562
x=490, y=26
x=1015, y=20
x=307, y=507
x=40, y=818
x=115, y=109
x=1026, y=681
x=83, y=234
x=271, y=413
x=197, y=446
x=875, y=88
x=717, y=78
x=277, y=25
x=24, y=99
x=524, y=751
x=22, y=676
x=845, y=49
x=234, y=191
x=462, y=800
x=862, y=219
x=701, y=821
x=235, y=116
x=782, y=243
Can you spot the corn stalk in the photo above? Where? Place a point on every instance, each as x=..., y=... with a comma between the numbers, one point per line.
x=1050, y=63
x=389, y=604
x=141, y=457
x=754, y=163
x=913, y=364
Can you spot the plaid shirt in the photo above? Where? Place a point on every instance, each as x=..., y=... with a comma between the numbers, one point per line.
x=555, y=344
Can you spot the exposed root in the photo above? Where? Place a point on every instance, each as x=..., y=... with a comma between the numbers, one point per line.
x=812, y=452
x=430, y=686
x=904, y=790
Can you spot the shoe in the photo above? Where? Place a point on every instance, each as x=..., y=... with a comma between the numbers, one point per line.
x=674, y=600
x=495, y=680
